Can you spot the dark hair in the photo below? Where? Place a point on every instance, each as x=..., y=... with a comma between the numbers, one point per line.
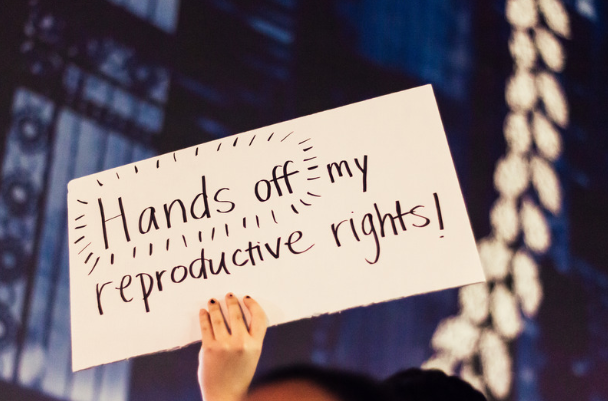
x=430, y=385
x=344, y=385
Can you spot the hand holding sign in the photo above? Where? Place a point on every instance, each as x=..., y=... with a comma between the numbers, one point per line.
x=229, y=355
x=355, y=205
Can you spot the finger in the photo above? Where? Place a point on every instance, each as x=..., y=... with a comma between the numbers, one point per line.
x=235, y=316
x=206, y=330
x=217, y=320
x=259, y=322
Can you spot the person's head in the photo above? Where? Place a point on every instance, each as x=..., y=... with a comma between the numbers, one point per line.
x=430, y=385
x=311, y=383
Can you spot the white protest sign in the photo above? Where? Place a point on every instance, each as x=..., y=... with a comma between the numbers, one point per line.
x=339, y=209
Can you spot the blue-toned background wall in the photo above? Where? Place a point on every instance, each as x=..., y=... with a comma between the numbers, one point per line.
x=522, y=89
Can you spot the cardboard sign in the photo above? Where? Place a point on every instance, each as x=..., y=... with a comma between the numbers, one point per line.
x=339, y=209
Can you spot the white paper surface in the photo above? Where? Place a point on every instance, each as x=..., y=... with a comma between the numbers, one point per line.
x=310, y=240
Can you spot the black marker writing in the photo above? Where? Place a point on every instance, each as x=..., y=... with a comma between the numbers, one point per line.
x=205, y=267
x=215, y=198
x=151, y=220
x=176, y=211
x=263, y=188
x=104, y=221
x=146, y=289
x=203, y=193
x=342, y=168
x=384, y=222
x=99, y=291
x=170, y=207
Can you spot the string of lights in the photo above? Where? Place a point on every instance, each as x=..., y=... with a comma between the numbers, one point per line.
x=476, y=342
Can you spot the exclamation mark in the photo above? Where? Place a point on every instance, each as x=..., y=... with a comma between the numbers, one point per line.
x=438, y=211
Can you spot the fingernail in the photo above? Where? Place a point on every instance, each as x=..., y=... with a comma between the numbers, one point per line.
x=231, y=295
x=212, y=301
x=247, y=296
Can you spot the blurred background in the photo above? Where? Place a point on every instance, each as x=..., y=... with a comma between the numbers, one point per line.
x=522, y=87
